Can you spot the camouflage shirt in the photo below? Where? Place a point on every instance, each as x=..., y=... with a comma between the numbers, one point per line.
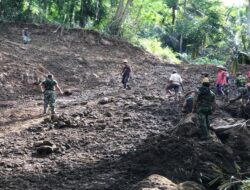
x=49, y=84
x=241, y=81
x=205, y=100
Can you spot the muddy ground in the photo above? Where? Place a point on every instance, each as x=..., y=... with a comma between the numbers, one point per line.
x=103, y=137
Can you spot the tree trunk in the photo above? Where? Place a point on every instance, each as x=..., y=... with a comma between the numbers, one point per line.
x=195, y=52
x=244, y=40
x=82, y=20
x=136, y=23
x=248, y=21
x=181, y=38
x=173, y=15
x=120, y=16
x=126, y=10
x=71, y=12
x=181, y=43
x=83, y=12
x=114, y=25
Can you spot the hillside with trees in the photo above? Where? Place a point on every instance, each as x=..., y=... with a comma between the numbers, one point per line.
x=200, y=31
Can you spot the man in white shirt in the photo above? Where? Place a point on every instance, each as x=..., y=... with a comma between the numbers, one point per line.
x=175, y=83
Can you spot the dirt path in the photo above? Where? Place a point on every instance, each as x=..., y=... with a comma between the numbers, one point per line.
x=18, y=126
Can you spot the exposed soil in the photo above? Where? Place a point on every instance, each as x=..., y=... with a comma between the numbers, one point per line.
x=103, y=137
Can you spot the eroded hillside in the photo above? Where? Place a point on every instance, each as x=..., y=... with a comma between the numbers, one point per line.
x=104, y=137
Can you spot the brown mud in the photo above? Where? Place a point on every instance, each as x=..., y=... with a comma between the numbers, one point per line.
x=104, y=137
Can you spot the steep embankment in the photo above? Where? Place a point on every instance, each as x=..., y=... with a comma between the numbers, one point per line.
x=104, y=137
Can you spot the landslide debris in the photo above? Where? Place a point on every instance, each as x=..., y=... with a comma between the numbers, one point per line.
x=105, y=137
x=155, y=182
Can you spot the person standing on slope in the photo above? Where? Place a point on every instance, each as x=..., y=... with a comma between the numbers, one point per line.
x=26, y=36
x=175, y=83
x=204, y=76
x=48, y=87
x=204, y=105
x=221, y=81
x=241, y=82
x=188, y=102
x=126, y=72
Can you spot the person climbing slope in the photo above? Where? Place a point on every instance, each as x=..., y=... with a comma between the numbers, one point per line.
x=26, y=36
x=204, y=76
x=240, y=83
x=175, y=81
x=126, y=71
x=221, y=80
x=248, y=75
x=243, y=96
x=48, y=87
x=204, y=105
x=188, y=102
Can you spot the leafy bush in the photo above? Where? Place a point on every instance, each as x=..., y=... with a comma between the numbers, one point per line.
x=246, y=184
x=206, y=60
x=154, y=46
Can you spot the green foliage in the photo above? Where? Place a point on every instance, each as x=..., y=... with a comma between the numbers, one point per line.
x=154, y=46
x=235, y=184
x=206, y=60
x=185, y=26
x=246, y=184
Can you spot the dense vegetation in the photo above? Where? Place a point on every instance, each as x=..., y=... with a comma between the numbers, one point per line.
x=203, y=31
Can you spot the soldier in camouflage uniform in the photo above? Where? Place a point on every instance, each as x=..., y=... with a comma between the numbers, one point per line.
x=48, y=87
x=204, y=105
x=188, y=102
x=241, y=83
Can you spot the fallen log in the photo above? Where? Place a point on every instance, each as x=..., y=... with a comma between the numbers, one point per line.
x=239, y=124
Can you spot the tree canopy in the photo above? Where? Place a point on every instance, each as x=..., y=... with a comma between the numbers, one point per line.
x=201, y=30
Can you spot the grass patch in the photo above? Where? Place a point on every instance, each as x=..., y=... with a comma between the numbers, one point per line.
x=154, y=46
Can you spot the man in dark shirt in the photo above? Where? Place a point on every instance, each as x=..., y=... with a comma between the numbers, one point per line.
x=125, y=74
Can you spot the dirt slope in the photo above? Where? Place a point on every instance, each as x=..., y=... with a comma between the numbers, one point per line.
x=104, y=137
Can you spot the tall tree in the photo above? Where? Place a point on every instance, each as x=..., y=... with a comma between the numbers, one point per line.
x=248, y=20
x=120, y=16
x=173, y=4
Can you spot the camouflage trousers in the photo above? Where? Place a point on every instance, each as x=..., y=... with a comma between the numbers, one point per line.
x=204, y=124
x=49, y=100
